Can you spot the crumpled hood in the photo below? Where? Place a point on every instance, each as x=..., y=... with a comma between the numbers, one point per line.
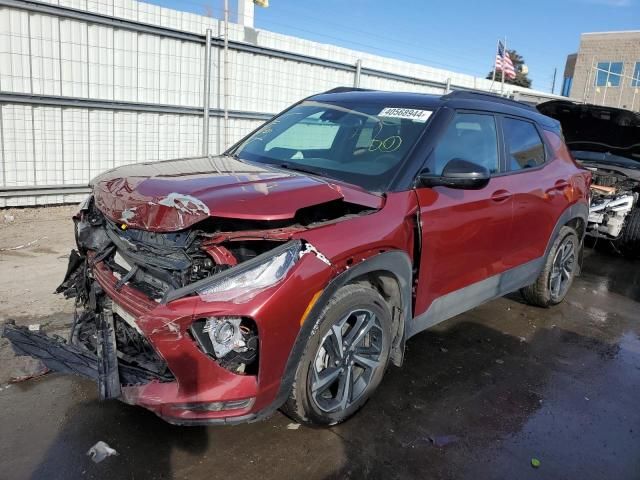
x=595, y=128
x=173, y=195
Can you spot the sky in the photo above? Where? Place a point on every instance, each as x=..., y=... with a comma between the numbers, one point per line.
x=451, y=34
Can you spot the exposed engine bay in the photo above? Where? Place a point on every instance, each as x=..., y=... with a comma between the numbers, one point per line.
x=106, y=343
x=606, y=141
x=613, y=197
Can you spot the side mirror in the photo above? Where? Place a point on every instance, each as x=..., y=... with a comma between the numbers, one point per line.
x=458, y=173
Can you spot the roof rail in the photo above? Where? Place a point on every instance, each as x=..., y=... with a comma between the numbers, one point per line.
x=346, y=89
x=490, y=97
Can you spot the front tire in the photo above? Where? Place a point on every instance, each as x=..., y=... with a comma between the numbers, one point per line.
x=561, y=265
x=345, y=358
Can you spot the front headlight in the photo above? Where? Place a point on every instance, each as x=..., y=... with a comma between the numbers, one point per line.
x=245, y=281
x=244, y=285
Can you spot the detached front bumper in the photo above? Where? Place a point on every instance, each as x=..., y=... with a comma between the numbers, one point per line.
x=196, y=389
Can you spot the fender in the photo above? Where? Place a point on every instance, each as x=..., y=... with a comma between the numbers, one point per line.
x=572, y=212
x=396, y=263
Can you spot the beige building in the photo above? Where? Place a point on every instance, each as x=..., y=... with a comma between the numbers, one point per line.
x=606, y=70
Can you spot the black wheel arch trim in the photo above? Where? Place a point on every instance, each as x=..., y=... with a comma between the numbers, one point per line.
x=573, y=212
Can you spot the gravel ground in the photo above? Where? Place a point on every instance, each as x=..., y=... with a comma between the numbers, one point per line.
x=34, y=247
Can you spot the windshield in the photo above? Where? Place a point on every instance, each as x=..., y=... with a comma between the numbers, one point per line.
x=364, y=144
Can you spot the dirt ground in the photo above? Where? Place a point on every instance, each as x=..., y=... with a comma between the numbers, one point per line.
x=34, y=247
x=479, y=396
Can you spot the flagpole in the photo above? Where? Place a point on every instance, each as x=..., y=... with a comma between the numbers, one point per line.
x=503, y=61
x=493, y=77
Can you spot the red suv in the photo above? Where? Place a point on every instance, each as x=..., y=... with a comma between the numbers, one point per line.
x=288, y=272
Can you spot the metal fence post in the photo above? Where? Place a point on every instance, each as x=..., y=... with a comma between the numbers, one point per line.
x=356, y=78
x=447, y=87
x=206, y=93
x=226, y=76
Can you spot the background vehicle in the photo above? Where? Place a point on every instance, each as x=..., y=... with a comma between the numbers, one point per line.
x=290, y=271
x=606, y=141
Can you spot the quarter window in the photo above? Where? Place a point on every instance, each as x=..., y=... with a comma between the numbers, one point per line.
x=470, y=137
x=524, y=145
x=609, y=74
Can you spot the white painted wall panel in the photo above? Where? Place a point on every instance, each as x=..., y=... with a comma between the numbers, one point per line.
x=103, y=7
x=148, y=137
x=125, y=132
x=45, y=54
x=101, y=69
x=170, y=56
x=77, y=4
x=127, y=9
x=190, y=135
x=75, y=131
x=149, y=68
x=125, y=62
x=17, y=135
x=169, y=137
x=74, y=58
x=48, y=154
x=15, y=74
x=101, y=141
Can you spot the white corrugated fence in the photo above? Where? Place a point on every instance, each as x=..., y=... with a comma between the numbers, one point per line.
x=87, y=85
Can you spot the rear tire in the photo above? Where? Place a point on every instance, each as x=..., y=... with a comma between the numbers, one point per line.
x=344, y=360
x=629, y=241
x=561, y=265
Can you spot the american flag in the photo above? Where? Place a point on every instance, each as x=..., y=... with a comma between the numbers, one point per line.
x=504, y=61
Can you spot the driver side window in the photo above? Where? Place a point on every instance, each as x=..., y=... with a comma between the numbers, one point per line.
x=471, y=137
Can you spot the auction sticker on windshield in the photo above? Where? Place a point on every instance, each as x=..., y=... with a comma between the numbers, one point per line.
x=408, y=113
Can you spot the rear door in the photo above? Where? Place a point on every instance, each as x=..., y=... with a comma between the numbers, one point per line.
x=466, y=234
x=538, y=184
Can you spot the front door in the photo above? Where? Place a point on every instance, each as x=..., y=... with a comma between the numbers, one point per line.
x=466, y=234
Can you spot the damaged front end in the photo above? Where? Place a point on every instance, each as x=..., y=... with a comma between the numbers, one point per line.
x=104, y=344
x=162, y=318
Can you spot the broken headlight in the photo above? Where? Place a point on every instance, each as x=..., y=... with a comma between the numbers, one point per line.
x=225, y=335
x=232, y=341
x=245, y=281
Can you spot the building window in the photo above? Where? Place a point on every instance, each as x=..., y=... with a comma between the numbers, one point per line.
x=609, y=74
x=566, y=86
x=635, y=81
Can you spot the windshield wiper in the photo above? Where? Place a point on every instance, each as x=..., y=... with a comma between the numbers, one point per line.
x=298, y=168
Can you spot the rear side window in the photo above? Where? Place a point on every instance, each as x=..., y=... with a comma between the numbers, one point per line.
x=524, y=145
x=471, y=137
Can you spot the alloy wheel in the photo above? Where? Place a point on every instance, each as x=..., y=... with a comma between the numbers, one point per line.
x=562, y=271
x=346, y=361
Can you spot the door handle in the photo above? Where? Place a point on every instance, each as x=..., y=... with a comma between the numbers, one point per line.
x=559, y=185
x=500, y=195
